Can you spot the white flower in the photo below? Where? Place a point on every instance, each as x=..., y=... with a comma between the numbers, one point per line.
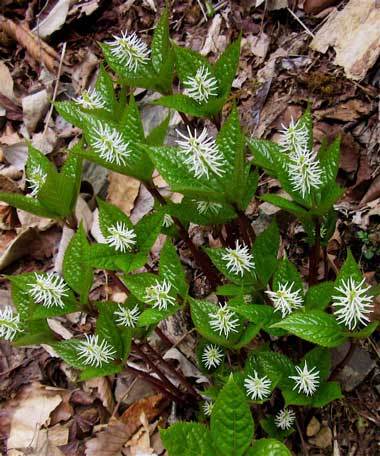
x=48, y=289
x=95, y=353
x=304, y=172
x=354, y=305
x=285, y=300
x=126, y=316
x=206, y=206
x=202, y=153
x=167, y=221
x=307, y=381
x=285, y=419
x=202, y=86
x=212, y=356
x=207, y=407
x=121, y=237
x=90, y=99
x=224, y=321
x=109, y=144
x=239, y=259
x=294, y=138
x=130, y=50
x=9, y=323
x=257, y=387
x=36, y=178
x=159, y=295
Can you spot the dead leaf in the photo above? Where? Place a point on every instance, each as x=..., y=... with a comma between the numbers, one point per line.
x=6, y=82
x=54, y=20
x=122, y=191
x=373, y=192
x=316, y=6
x=34, y=108
x=103, y=386
x=110, y=441
x=215, y=42
x=18, y=247
x=260, y=44
x=354, y=33
x=33, y=410
x=16, y=154
x=346, y=112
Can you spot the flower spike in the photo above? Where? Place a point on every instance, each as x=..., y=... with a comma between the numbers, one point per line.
x=305, y=172
x=224, y=321
x=126, y=316
x=130, y=50
x=9, y=323
x=205, y=207
x=202, y=86
x=36, y=179
x=121, y=237
x=258, y=388
x=95, y=353
x=294, y=138
x=353, y=305
x=285, y=300
x=48, y=290
x=202, y=153
x=159, y=296
x=307, y=381
x=90, y=99
x=239, y=259
x=212, y=356
x=110, y=145
x=285, y=419
x=207, y=407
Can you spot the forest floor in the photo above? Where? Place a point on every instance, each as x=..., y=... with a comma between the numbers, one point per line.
x=291, y=56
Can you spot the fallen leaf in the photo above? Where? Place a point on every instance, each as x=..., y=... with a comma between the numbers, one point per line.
x=358, y=24
x=122, y=191
x=316, y=6
x=6, y=82
x=54, y=20
x=187, y=368
x=215, y=41
x=103, y=386
x=34, y=107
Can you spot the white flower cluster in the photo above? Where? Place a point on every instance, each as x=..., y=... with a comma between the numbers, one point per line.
x=48, y=289
x=159, y=295
x=205, y=207
x=127, y=316
x=95, y=353
x=285, y=419
x=258, y=388
x=212, y=356
x=285, y=300
x=307, y=380
x=122, y=238
x=130, y=50
x=9, y=323
x=90, y=99
x=304, y=169
x=202, y=153
x=353, y=305
x=202, y=86
x=36, y=178
x=224, y=321
x=110, y=145
x=239, y=259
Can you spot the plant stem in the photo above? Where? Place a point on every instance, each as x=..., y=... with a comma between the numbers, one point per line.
x=314, y=254
x=171, y=369
x=156, y=383
x=168, y=385
x=200, y=257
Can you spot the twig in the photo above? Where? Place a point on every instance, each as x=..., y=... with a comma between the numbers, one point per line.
x=125, y=395
x=55, y=89
x=305, y=450
x=307, y=30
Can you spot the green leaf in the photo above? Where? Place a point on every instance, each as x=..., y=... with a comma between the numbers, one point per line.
x=76, y=271
x=264, y=153
x=154, y=316
x=34, y=332
x=131, y=124
x=287, y=273
x=226, y=67
x=109, y=215
x=330, y=195
x=27, y=204
x=187, y=62
x=249, y=333
x=326, y=393
x=187, y=439
x=106, y=326
x=157, y=135
x=350, y=269
x=232, y=426
x=200, y=311
x=307, y=121
x=269, y=426
x=276, y=366
x=72, y=175
x=160, y=42
x=269, y=447
x=68, y=351
x=329, y=161
x=172, y=269
x=314, y=326
x=318, y=296
x=71, y=112
x=320, y=358
x=103, y=371
x=104, y=87
x=138, y=283
x=255, y=313
x=367, y=331
x=188, y=211
x=286, y=205
x=265, y=250
x=183, y=103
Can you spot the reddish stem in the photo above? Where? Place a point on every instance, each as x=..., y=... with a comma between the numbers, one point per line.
x=314, y=255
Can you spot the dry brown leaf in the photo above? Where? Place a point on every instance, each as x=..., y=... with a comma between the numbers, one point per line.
x=6, y=82
x=34, y=107
x=316, y=6
x=346, y=112
x=354, y=33
x=102, y=384
x=122, y=191
x=54, y=20
x=373, y=192
x=118, y=432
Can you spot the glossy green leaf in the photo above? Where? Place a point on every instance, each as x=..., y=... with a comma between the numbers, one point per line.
x=269, y=447
x=187, y=439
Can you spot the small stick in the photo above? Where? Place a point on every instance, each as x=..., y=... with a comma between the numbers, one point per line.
x=307, y=30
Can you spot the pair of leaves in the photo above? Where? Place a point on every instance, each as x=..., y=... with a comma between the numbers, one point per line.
x=187, y=63
x=56, y=191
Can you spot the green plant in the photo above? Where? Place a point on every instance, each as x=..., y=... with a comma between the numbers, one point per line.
x=256, y=294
